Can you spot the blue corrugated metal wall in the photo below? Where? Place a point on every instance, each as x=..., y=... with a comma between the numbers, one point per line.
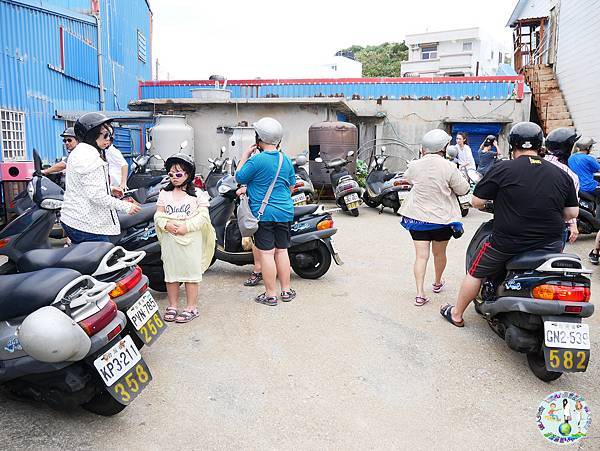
x=456, y=90
x=32, y=78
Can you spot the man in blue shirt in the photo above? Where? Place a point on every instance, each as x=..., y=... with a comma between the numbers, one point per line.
x=272, y=238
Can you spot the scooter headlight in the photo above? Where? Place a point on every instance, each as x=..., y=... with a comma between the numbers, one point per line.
x=51, y=204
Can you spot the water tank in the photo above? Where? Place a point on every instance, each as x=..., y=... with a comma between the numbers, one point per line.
x=167, y=136
x=330, y=140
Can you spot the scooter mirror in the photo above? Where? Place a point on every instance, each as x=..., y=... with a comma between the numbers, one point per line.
x=211, y=160
x=183, y=145
x=319, y=160
x=223, y=149
x=383, y=148
x=350, y=153
x=148, y=145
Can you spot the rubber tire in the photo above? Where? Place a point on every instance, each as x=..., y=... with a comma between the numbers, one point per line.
x=369, y=202
x=538, y=367
x=324, y=262
x=104, y=404
x=464, y=212
x=354, y=212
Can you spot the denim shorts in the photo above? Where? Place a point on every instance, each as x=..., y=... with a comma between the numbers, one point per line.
x=78, y=236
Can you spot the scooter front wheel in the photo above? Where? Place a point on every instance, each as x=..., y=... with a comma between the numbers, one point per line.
x=537, y=364
x=319, y=261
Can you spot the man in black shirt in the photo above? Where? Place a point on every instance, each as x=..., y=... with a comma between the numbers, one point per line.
x=532, y=200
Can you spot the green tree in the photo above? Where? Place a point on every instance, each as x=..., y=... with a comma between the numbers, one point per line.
x=380, y=60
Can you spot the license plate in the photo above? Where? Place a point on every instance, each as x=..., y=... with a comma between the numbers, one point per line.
x=146, y=319
x=566, y=360
x=299, y=198
x=130, y=385
x=566, y=335
x=466, y=199
x=350, y=198
x=117, y=361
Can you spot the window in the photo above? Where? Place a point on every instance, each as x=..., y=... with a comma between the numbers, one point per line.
x=429, y=52
x=141, y=46
x=467, y=46
x=12, y=129
x=334, y=67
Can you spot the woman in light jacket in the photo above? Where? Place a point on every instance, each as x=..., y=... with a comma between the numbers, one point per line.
x=89, y=211
x=431, y=212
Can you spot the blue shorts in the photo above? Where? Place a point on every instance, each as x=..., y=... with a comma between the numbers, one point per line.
x=78, y=236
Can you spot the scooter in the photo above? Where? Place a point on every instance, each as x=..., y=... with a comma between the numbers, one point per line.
x=216, y=173
x=303, y=191
x=312, y=247
x=537, y=307
x=383, y=187
x=83, y=359
x=473, y=177
x=346, y=190
x=587, y=221
x=25, y=243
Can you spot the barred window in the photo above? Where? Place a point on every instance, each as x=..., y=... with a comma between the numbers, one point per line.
x=12, y=131
x=141, y=46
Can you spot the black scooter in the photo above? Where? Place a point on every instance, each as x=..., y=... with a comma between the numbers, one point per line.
x=537, y=306
x=303, y=191
x=346, y=190
x=384, y=188
x=311, y=248
x=216, y=173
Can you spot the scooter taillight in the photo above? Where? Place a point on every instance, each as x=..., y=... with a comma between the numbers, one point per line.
x=127, y=283
x=325, y=224
x=100, y=320
x=403, y=184
x=562, y=292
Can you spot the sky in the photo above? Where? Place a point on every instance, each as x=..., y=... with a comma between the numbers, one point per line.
x=194, y=39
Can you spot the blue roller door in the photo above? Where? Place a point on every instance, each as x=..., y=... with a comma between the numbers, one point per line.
x=476, y=133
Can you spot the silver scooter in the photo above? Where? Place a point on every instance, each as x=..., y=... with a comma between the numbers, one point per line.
x=346, y=190
x=303, y=191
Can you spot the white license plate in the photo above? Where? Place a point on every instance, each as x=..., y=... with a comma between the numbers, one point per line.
x=351, y=198
x=119, y=359
x=566, y=335
x=299, y=198
x=466, y=199
x=142, y=310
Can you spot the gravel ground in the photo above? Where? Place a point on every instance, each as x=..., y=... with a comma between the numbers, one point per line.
x=349, y=364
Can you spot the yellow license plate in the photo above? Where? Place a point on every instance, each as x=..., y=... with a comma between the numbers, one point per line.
x=131, y=384
x=152, y=329
x=566, y=360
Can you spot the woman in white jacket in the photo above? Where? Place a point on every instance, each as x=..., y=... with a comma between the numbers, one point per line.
x=89, y=211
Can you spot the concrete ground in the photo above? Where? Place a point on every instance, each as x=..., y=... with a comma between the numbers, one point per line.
x=349, y=364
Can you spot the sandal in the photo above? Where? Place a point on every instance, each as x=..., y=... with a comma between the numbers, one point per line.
x=446, y=312
x=187, y=315
x=266, y=300
x=254, y=279
x=420, y=301
x=287, y=296
x=437, y=287
x=170, y=314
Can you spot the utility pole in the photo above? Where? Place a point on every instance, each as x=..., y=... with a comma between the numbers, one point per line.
x=157, y=66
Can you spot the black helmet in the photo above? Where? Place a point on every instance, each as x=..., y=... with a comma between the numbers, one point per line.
x=185, y=161
x=69, y=133
x=526, y=136
x=88, y=123
x=560, y=142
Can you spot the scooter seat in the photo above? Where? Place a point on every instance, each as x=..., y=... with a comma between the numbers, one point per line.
x=304, y=210
x=587, y=196
x=531, y=260
x=146, y=214
x=83, y=257
x=21, y=294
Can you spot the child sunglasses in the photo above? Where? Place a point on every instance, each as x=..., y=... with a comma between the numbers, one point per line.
x=176, y=175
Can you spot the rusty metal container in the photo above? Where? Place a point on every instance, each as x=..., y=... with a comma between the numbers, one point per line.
x=330, y=140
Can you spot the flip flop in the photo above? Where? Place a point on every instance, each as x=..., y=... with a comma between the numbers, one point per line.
x=420, y=301
x=437, y=287
x=170, y=314
x=446, y=312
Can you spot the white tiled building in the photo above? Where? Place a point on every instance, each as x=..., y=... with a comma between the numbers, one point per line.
x=464, y=52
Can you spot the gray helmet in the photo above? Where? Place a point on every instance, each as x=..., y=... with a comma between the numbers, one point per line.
x=451, y=152
x=69, y=133
x=268, y=130
x=585, y=143
x=435, y=141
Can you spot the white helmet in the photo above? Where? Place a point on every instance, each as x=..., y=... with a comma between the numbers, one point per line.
x=435, y=141
x=269, y=130
x=48, y=335
x=451, y=152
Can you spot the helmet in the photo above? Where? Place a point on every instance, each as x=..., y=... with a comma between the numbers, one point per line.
x=560, y=142
x=268, y=130
x=451, y=152
x=49, y=335
x=435, y=141
x=526, y=135
x=585, y=143
x=69, y=133
x=87, y=123
x=185, y=161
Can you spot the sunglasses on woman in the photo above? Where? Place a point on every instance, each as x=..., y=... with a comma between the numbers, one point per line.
x=105, y=135
x=68, y=140
x=176, y=175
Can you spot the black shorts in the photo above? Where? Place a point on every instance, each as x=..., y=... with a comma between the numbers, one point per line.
x=441, y=234
x=488, y=261
x=272, y=235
